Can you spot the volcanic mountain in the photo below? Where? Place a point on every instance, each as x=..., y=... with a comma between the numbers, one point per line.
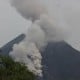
x=60, y=61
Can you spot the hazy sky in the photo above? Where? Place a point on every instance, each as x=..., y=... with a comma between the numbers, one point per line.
x=12, y=24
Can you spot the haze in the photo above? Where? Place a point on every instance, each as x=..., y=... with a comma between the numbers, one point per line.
x=12, y=24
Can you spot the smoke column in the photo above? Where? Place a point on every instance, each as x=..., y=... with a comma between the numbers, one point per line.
x=44, y=29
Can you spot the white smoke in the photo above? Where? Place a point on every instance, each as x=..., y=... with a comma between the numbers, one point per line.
x=29, y=54
x=30, y=9
x=43, y=29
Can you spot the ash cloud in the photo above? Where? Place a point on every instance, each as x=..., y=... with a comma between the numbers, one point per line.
x=30, y=9
x=43, y=29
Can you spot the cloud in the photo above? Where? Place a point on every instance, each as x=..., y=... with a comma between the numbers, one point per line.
x=30, y=9
x=44, y=29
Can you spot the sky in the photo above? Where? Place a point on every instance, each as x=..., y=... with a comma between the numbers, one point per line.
x=12, y=24
x=71, y=12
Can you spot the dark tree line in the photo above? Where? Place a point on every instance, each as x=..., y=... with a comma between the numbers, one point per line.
x=11, y=70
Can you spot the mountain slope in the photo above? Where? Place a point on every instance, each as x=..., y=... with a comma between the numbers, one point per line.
x=61, y=62
x=8, y=47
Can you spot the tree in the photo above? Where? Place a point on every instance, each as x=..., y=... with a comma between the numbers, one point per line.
x=11, y=70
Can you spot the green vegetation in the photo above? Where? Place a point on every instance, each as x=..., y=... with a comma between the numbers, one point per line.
x=10, y=70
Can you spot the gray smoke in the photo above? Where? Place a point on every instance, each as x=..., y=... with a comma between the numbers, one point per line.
x=30, y=9
x=28, y=53
x=43, y=29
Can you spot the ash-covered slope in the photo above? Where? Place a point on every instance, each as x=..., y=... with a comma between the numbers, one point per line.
x=61, y=62
x=8, y=47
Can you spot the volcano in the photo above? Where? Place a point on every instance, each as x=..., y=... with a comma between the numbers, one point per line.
x=60, y=60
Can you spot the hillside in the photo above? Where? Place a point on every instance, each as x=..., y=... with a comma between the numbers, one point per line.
x=10, y=70
x=60, y=61
x=8, y=47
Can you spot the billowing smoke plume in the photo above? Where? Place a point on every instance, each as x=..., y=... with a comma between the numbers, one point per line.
x=30, y=9
x=43, y=29
x=28, y=53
